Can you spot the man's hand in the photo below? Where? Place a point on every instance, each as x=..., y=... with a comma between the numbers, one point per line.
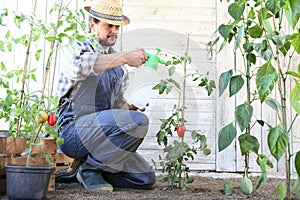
x=135, y=58
x=133, y=107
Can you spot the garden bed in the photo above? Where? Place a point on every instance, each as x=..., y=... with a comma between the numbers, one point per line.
x=206, y=186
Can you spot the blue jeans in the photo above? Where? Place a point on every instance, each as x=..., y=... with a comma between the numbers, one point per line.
x=108, y=140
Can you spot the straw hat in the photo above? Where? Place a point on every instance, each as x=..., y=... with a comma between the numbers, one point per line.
x=109, y=11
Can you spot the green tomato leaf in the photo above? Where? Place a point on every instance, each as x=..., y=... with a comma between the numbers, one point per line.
x=227, y=188
x=239, y=37
x=248, y=47
x=260, y=122
x=273, y=6
x=267, y=26
x=262, y=15
x=263, y=160
x=291, y=11
x=210, y=86
x=295, y=98
x=7, y=35
x=236, y=83
x=295, y=40
x=297, y=187
x=224, y=81
x=248, y=143
x=221, y=47
x=206, y=151
x=286, y=47
x=251, y=58
x=81, y=38
x=273, y=103
x=243, y=114
x=172, y=81
x=51, y=38
x=297, y=163
x=38, y=54
x=236, y=9
x=39, y=144
x=246, y=185
x=278, y=140
x=292, y=73
x=251, y=14
x=263, y=175
x=2, y=66
x=1, y=46
x=264, y=163
x=224, y=31
x=264, y=50
x=172, y=70
x=256, y=31
x=265, y=80
x=226, y=136
x=9, y=47
x=281, y=191
x=26, y=151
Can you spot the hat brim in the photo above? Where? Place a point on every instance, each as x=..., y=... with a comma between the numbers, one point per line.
x=125, y=20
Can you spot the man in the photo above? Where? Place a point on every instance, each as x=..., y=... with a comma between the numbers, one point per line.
x=98, y=126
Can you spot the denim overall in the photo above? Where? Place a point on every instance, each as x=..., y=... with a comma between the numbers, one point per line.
x=106, y=137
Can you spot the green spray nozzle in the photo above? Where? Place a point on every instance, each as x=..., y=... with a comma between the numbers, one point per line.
x=153, y=60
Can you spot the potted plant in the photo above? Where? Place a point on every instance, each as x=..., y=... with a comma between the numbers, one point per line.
x=28, y=104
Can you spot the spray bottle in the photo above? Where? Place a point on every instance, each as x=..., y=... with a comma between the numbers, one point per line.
x=153, y=60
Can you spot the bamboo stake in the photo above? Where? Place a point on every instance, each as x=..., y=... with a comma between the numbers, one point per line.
x=25, y=69
x=184, y=79
x=48, y=64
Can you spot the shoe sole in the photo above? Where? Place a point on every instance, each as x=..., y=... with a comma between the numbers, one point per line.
x=80, y=180
x=67, y=175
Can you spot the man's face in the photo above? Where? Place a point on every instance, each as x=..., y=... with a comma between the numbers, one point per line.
x=107, y=34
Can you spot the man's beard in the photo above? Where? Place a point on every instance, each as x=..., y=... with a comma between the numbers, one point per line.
x=110, y=41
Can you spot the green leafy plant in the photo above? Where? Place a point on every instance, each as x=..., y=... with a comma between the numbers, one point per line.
x=28, y=109
x=256, y=31
x=227, y=187
x=179, y=152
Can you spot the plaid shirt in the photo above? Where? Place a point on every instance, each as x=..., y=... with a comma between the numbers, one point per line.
x=80, y=58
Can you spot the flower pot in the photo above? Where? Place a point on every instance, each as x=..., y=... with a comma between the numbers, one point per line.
x=27, y=182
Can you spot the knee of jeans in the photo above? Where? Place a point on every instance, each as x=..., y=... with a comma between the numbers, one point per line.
x=142, y=119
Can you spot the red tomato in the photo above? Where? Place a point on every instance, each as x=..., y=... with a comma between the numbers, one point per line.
x=180, y=131
x=51, y=119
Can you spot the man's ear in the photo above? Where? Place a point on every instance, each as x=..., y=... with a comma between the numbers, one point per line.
x=92, y=26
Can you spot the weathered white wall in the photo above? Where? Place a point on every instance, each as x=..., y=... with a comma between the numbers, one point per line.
x=166, y=25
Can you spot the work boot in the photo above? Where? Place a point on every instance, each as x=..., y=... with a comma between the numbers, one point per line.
x=90, y=177
x=68, y=175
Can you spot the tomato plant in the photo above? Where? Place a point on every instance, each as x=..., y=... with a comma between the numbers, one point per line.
x=178, y=153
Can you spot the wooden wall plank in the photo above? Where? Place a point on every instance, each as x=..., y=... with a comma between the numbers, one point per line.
x=226, y=159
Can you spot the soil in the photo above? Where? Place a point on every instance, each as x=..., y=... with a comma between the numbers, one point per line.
x=204, y=187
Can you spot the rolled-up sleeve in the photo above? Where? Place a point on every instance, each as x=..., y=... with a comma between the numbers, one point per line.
x=80, y=61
